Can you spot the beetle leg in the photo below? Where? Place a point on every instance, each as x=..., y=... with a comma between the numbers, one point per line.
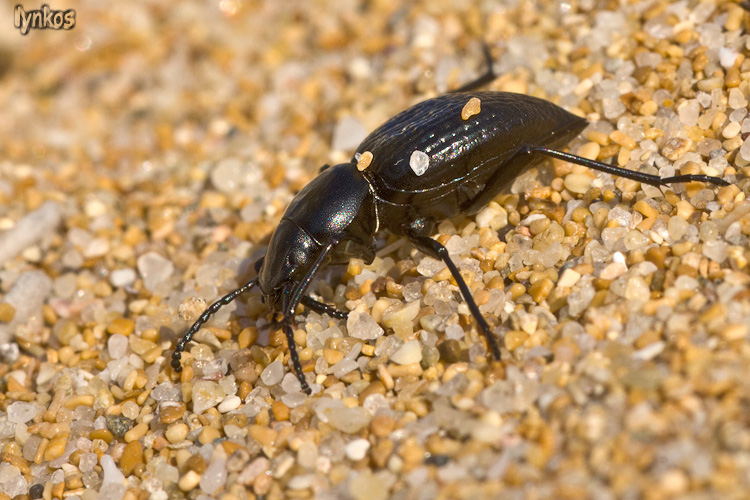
x=294, y=356
x=323, y=308
x=483, y=79
x=653, y=180
x=435, y=249
x=291, y=300
x=226, y=299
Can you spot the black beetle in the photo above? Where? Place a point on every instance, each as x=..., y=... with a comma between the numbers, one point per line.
x=429, y=163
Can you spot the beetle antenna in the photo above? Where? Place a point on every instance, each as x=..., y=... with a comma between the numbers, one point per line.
x=213, y=308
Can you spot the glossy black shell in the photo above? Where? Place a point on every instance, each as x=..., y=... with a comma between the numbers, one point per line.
x=470, y=161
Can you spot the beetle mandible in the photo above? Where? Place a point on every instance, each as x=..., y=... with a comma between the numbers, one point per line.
x=429, y=163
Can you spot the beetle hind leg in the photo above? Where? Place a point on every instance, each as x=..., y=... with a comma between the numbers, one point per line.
x=437, y=250
x=642, y=177
x=488, y=76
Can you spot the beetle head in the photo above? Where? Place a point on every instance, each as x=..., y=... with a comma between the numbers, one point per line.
x=335, y=207
x=290, y=255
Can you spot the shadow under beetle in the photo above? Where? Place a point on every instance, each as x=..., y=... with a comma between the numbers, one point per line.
x=429, y=163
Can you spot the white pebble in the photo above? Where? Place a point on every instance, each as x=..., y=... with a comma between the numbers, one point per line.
x=579, y=300
x=348, y=133
x=635, y=240
x=225, y=175
x=485, y=216
x=130, y=409
x=301, y=482
x=457, y=245
x=409, y=353
x=612, y=108
x=294, y=399
x=357, y=449
x=568, y=278
x=290, y=383
x=689, y=112
x=400, y=314
x=419, y=162
x=21, y=412
x=429, y=266
x=230, y=403
x=613, y=270
x=649, y=352
x=111, y=473
x=215, y=475
x=97, y=247
x=260, y=465
x=95, y=207
x=27, y=296
x=361, y=325
x=343, y=367
x=206, y=394
x=686, y=283
x=727, y=56
x=731, y=130
x=621, y=215
x=737, y=99
x=122, y=277
x=29, y=230
x=166, y=392
x=677, y=227
x=577, y=183
x=550, y=255
x=87, y=462
x=117, y=345
x=155, y=269
x=454, y=332
x=273, y=373
x=618, y=257
x=528, y=322
x=349, y=420
x=637, y=289
x=715, y=250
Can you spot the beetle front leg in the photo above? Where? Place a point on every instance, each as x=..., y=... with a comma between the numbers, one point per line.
x=323, y=308
x=294, y=356
x=435, y=249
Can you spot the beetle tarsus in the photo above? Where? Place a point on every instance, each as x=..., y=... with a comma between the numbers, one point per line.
x=435, y=249
x=694, y=178
x=212, y=309
x=323, y=308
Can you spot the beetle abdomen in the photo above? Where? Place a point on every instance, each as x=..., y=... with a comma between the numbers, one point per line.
x=457, y=158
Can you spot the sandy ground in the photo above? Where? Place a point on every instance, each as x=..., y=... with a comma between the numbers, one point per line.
x=148, y=153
